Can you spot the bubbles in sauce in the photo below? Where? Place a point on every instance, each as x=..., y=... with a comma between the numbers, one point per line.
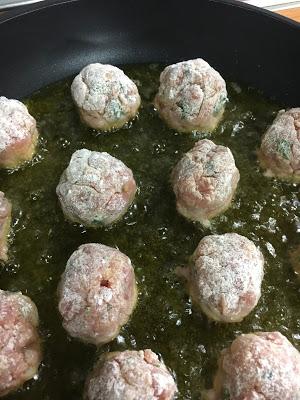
x=152, y=234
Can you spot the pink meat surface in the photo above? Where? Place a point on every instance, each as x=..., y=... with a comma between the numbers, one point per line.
x=130, y=375
x=18, y=133
x=192, y=96
x=97, y=293
x=20, y=352
x=204, y=181
x=95, y=189
x=105, y=97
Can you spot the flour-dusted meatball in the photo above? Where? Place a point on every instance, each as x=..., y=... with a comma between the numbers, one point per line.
x=204, y=181
x=258, y=366
x=20, y=351
x=130, y=375
x=5, y=220
x=18, y=133
x=192, y=96
x=224, y=276
x=105, y=97
x=97, y=293
x=279, y=153
x=95, y=189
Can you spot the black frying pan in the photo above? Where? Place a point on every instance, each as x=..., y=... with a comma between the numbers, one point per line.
x=244, y=43
x=44, y=44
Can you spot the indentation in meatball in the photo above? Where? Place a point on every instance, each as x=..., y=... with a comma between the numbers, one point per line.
x=192, y=96
x=95, y=189
x=105, y=97
x=130, y=375
x=5, y=220
x=18, y=133
x=97, y=293
x=279, y=153
x=20, y=352
x=204, y=181
x=258, y=366
x=224, y=276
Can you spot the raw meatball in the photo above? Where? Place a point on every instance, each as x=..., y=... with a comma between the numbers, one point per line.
x=95, y=189
x=280, y=148
x=224, y=276
x=105, y=97
x=192, y=96
x=204, y=181
x=5, y=220
x=258, y=366
x=97, y=293
x=18, y=133
x=130, y=375
x=20, y=351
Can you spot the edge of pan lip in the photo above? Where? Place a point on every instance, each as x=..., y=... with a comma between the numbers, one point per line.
x=39, y=5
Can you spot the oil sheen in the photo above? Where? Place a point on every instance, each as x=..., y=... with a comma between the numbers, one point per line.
x=152, y=234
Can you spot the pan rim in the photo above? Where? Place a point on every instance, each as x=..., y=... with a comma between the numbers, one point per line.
x=42, y=6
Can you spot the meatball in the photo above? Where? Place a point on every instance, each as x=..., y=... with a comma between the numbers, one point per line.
x=20, y=351
x=224, y=276
x=5, y=220
x=279, y=153
x=97, y=293
x=95, y=189
x=105, y=97
x=192, y=96
x=204, y=181
x=258, y=366
x=130, y=375
x=18, y=133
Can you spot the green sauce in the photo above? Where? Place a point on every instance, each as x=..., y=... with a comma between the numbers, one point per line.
x=152, y=234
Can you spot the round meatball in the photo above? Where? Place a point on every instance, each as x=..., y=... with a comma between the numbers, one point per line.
x=130, y=375
x=192, y=96
x=95, y=189
x=280, y=148
x=18, y=133
x=20, y=351
x=204, y=181
x=224, y=276
x=258, y=366
x=105, y=97
x=5, y=220
x=97, y=293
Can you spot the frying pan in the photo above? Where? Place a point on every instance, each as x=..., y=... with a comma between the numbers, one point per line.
x=47, y=42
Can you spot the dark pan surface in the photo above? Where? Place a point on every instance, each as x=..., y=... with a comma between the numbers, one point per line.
x=244, y=43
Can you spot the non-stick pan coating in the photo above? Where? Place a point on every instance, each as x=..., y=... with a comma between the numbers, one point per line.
x=242, y=42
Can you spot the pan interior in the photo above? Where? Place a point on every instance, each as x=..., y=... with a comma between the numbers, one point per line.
x=152, y=234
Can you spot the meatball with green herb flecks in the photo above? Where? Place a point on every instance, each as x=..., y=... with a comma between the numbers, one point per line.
x=279, y=153
x=204, y=181
x=5, y=220
x=130, y=375
x=191, y=97
x=97, y=293
x=96, y=188
x=20, y=350
x=258, y=366
x=18, y=133
x=224, y=276
x=105, y=97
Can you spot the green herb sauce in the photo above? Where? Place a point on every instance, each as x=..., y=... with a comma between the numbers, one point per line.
x=152, y=234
